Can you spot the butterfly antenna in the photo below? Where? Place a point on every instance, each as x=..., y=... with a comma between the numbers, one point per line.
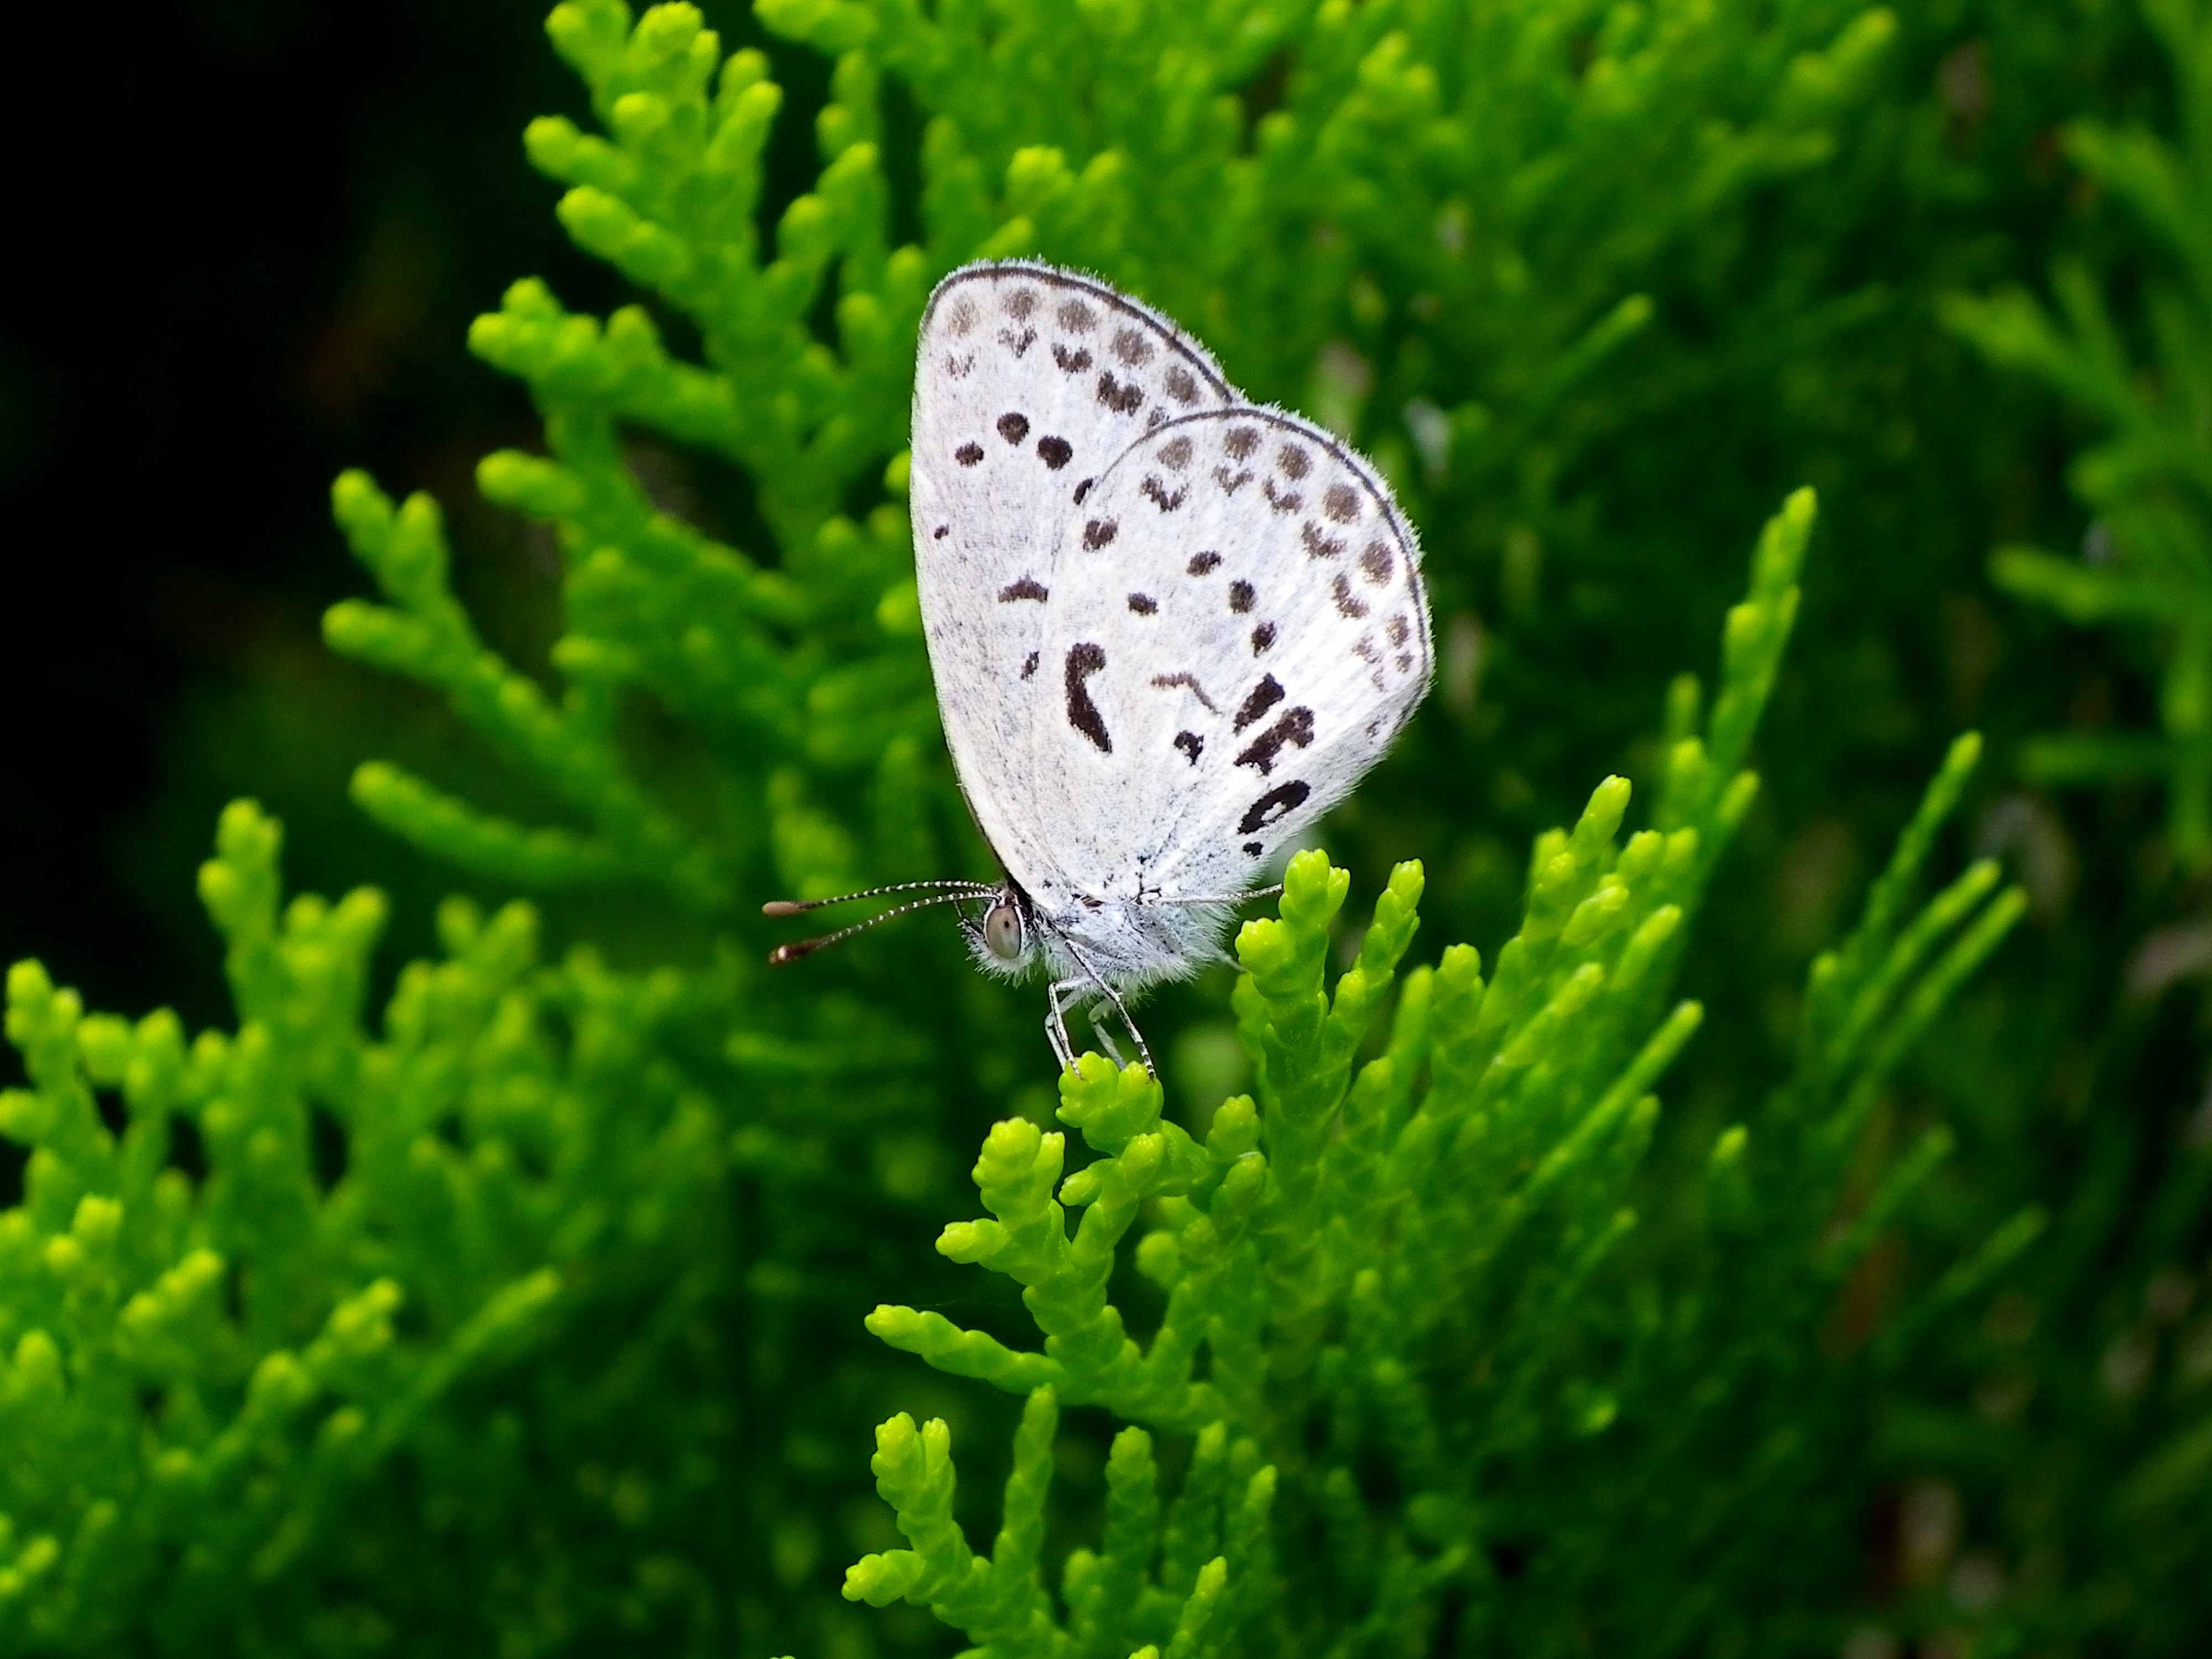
x=806, y=947
x=796, y=907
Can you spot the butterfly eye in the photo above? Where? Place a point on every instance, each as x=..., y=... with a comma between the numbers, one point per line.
x=1002, y=931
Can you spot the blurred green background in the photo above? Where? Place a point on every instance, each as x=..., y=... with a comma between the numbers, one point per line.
x=280, y=286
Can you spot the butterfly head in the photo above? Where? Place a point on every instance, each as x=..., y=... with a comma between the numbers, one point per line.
x=1003, y=937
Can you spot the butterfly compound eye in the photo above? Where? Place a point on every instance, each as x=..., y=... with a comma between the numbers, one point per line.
x=1002, y=931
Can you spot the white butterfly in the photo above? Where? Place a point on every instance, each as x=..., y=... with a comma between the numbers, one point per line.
x=1169, y=629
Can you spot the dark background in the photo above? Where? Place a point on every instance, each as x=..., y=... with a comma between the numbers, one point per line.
x=247, y=240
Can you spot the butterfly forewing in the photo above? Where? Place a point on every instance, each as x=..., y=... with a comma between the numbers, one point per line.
x=1236, y=633
x=1029, y=381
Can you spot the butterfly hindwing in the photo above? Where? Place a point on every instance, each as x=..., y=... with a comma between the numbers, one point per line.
x=1238, y=630
x=1028, y=382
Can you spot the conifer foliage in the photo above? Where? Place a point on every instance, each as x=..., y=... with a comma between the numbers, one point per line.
x=520, y=1308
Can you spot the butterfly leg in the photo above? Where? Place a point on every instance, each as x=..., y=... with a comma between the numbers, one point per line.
x=1110, y=996
x=1111, y=1004
x=1097, y=1014
x=1055, y=1018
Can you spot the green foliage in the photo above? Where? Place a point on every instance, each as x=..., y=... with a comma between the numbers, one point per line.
x=1397, y=1317
x=2146, y=561
x=511, y=1165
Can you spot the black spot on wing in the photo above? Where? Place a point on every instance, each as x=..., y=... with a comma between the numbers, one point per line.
x=1262, y=637
x=1157, y=493
x=1201, y=562
x=1131, y=347
x=1143, y=604
x=1283, y=799
x=1121, y=399
x=1070, y=362
x=1056, y=452
x=1348, y=603
x=1265, y=696
x=1241, y=596
x=1375, y=563
x=1189, y=682
x=968, y=454
x=1318, y=545
x=1013, y=427
x=1099, y=531
x=1295, y=728
x=1083, y=661
x=1029, y=665
x=1028, y=587
x=1191, y=743
x=1340, y=503
x=1253, y=848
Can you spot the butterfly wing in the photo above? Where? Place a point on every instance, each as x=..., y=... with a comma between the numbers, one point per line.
x=1237, y=632
x=1028, y=382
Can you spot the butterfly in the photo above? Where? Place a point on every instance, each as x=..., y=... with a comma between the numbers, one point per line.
x=1169, y=628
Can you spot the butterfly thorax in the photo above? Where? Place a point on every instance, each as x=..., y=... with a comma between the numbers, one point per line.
x=1126, y=940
